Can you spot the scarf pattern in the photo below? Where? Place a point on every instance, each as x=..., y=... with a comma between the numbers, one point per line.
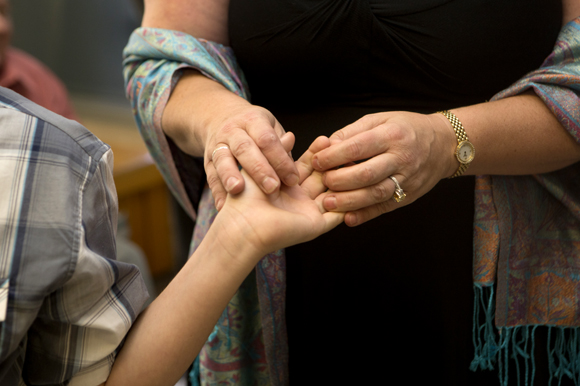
x=527, y=237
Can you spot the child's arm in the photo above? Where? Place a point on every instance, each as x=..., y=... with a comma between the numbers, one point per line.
x=170, y=333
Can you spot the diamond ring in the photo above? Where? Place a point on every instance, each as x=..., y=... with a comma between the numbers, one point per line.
x=399, y=195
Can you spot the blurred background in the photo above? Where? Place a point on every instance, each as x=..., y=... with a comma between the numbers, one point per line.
x=82, y=43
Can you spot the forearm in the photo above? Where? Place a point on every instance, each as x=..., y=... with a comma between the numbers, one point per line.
x=518, y=135
x=169, y=334
x=187, y=113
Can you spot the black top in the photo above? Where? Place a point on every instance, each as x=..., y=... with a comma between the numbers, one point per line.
x=398, y=53
x=420, y=55
x=392, y=297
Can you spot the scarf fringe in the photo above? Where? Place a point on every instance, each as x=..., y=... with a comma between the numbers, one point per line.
x=514, y=345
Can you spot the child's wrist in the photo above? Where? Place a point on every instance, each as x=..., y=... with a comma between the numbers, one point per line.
x=235, y=239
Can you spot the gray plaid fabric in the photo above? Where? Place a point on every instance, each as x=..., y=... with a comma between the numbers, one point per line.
x=65, y=302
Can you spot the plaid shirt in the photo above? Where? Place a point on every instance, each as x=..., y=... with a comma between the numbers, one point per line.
x=65, y=302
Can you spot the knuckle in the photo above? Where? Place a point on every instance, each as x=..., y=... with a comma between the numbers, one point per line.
x=367, y=175
x=251, y=115
x=283, y=163
x=213, y=181
x=366, y=119
x=404, y=155
x=257, y=113
x=394, y=133
x=345, y=201
x=241, y=147
x=228, y=128
x=407, y=158
x=379, y=193
x=266, y=140
x=338, y=134
x=353, y=149
x=257, y=169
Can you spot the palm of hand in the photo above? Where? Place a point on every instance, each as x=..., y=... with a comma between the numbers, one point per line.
x=292, y=215
x=287, y=217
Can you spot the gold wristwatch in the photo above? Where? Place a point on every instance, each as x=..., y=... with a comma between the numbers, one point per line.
x=465, y=152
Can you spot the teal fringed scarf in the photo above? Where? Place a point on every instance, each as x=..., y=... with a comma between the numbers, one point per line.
x=527, y=239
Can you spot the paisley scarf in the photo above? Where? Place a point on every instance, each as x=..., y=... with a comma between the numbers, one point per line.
x=527, y=238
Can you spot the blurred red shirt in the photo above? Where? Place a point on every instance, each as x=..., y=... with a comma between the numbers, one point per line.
x=30, y=78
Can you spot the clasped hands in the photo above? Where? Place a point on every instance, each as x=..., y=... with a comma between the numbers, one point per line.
x=349, y=172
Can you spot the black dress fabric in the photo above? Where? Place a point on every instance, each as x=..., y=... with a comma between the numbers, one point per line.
x=392, y=299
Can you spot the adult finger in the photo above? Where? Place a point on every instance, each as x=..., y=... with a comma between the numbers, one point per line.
x=361, y=146
x=360, y=175
x=288, y=140
x=380, y=194
x=215, y=185
x=361, y=125
x=363, y=215
x=253, y=161
x=304, y=163
x=227, y=169
x=269, y=143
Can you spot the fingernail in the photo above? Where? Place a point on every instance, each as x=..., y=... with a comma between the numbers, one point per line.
x=352, y=219
x=330, y=203
x=231, y=183
x=269, y=184
x=219, y=204
x=292, y=180
x=315, y=163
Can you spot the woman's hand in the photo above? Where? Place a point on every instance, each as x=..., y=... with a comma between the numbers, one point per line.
x=205, y=119
x=252, y=137
x=416, y=149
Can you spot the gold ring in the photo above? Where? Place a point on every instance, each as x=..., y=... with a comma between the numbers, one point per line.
x=219, y=148
x=399, y=195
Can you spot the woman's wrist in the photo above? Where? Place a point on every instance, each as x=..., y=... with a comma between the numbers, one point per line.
x=194, y=108
x=448, y=143
x=518, y=135
x=177, y=121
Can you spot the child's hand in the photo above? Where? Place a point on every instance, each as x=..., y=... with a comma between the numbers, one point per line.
x=291, y=216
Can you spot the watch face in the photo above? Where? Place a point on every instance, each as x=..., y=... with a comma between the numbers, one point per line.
x=465, y=152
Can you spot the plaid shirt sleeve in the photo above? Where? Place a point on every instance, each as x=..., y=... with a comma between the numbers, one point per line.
x=66, y=304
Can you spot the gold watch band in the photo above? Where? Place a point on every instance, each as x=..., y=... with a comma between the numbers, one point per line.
x=462, y=168
x=461, y=137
